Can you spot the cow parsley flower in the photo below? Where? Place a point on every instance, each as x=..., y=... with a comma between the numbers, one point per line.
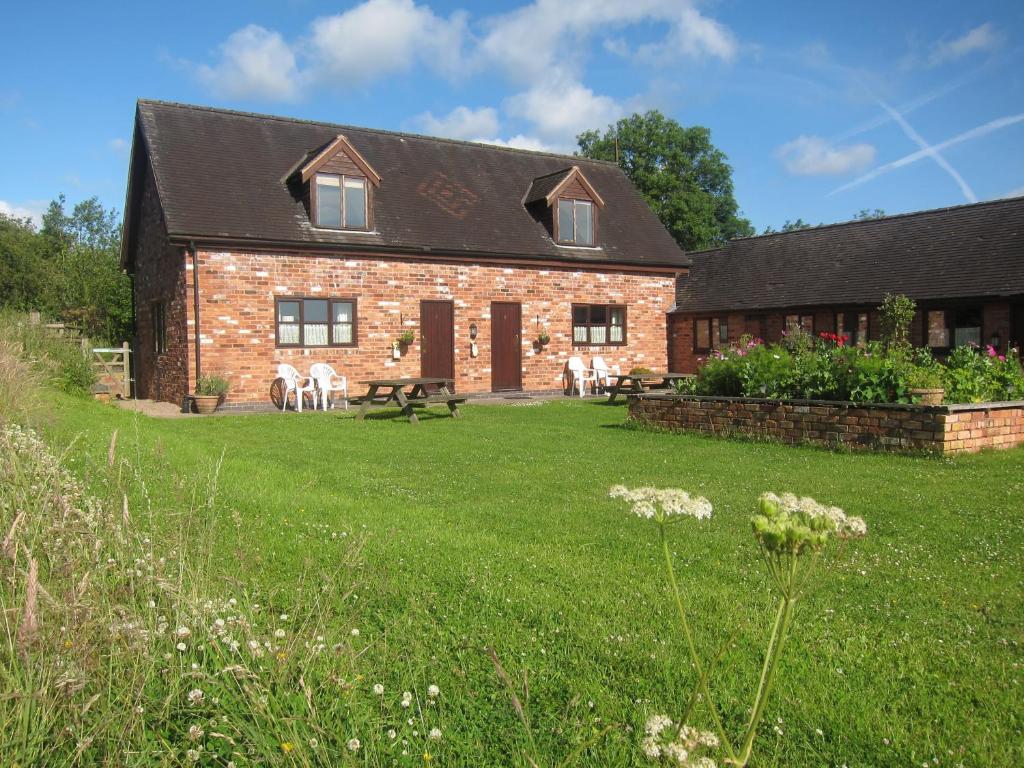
x=678, y=744
x=794, y=525
x=662, y=505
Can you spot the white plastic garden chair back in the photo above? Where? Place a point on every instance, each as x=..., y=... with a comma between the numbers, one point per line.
x=579, y=375
x=602, y=375
x=328, y=381
x=297, y=383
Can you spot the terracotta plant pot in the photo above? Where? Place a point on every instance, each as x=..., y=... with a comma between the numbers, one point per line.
x=206, y=404
x=928, y=396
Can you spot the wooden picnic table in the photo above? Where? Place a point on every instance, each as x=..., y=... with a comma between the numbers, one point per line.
x=633, y=383
x=394, y=394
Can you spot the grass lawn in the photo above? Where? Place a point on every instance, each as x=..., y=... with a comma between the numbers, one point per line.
x=496, y=530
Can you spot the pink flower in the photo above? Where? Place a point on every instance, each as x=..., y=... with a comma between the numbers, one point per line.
x=991, y=351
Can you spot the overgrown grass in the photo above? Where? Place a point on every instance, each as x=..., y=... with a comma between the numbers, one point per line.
x=59, y=362
x=496, y=531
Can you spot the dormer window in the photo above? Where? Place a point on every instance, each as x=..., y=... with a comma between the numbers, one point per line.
x=338, y=187
x=567, y=204
x=576, y=222
x=340, y=201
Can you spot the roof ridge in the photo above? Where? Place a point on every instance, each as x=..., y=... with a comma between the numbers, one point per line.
x=347, y=126
x=854, y=222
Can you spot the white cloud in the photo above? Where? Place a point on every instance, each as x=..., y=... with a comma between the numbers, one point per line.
x=562, y=109
x=815, y=156
x=379, y=37
x=118, y=145
x=520, y=141
x=32, y=210
x=461, y=123
x=1018, y=192
x=254, y=63
x=982, y=38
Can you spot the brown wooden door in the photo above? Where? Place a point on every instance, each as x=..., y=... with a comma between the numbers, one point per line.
x=506, y=349
x=1017, y=331
x=437, y=339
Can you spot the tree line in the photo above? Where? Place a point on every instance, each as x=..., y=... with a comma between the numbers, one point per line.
x=68, y=268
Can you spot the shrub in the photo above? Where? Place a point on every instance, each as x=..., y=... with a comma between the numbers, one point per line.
x=721, y=376
x=61, y=362
x=768, y=372
x=406, y=337
x=975, y=376
x=639, y=370
x=897, y=313
x=212, y=386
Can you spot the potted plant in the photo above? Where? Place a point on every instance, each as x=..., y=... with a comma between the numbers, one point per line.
x=210, y=392
x=407, y=337
x=925, y=385
x=543, y=338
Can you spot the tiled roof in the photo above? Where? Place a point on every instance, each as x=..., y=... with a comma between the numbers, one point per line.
x=224, y=175
x=542, y=186
x=972, y=250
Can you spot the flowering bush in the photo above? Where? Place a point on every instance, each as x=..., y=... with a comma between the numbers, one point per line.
x=827, y=369
x=791, y=534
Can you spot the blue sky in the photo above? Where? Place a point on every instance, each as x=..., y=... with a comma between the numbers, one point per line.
x=822, y=108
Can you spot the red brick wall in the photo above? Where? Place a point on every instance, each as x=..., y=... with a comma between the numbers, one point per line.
x=237, y=292
x=946, y=430
x=159, y=270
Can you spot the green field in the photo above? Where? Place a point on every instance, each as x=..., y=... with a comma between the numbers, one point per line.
x=496, y=531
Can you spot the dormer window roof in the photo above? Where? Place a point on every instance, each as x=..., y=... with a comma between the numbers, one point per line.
x=570, y=205
x=339, y=187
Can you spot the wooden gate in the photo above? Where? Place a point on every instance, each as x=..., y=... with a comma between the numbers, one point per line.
x=113, y=369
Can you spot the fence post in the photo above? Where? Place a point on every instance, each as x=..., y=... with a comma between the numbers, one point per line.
x=126, y=370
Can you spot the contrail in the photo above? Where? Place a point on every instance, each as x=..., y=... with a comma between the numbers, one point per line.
x=973, y=133
x=932, y=152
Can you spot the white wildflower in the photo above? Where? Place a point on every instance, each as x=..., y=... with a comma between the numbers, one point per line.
x=433, y=691
x=662, y=504
x=435, y=734
x=195, y=733
x=196, y=696
x=279, y=633
x=183, y=631
x=181, y=647
x=355, y=632
x=353, y=745
x=378, y=689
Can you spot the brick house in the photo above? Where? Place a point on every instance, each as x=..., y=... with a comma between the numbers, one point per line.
x=254, y=240
x=964, y=266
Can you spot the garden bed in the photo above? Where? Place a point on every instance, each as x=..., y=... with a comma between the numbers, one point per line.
x=941, y=429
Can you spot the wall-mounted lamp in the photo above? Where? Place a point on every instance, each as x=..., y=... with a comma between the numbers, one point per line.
x=472, y=330
x=473, y=350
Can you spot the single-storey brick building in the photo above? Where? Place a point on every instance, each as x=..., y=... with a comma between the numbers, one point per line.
x=964, y=266
x=254, y=240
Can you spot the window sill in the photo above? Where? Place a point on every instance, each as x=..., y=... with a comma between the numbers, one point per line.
x=346, y=231
x=579, y=247
x=311, y=348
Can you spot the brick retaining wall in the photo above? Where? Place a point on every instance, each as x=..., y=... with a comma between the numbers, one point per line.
x=942, y=429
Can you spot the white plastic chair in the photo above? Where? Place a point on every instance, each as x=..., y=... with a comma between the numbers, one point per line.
x=327, y=381
x=602, y=375
x=297, y=383
x=579, y=375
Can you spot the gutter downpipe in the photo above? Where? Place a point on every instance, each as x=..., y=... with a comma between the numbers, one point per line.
x=195, y=311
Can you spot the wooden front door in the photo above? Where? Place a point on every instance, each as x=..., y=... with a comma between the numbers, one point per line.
x=1017, y=331
x=437, y=339
x=506, y=349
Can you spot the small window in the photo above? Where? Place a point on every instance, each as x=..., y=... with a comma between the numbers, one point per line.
x=341, y=202
x=702, y=335
x=309, y=322
x=946, y=329
x=598, y=324
x=576, y=222
x=803, y=323
x=159, y=316
x=723, y=331
x=854, y=325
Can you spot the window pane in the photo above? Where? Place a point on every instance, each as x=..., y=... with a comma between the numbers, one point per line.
x=938, y=333
x=598, y=313
x=792, y=323
x=598, y=334
x=584, y=223
x=861, y=336
x=807, y=323
x=565, y=225
x=355, y=203
x=580, y=315
x=723, y=331
x=315, y=334
x=328, y=201
x=288, y=311
x=703, y=334
x=579, y=334
x=288, y=333
x=840, y=324
x=314, y=310
x=617, y=330
x=342, y=315
x=968, y=328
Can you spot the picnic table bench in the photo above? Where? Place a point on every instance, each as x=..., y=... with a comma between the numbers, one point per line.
x=385, y=393
x=633, y=383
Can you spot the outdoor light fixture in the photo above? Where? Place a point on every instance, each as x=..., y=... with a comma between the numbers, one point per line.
x=473, y=351
x=472, y=330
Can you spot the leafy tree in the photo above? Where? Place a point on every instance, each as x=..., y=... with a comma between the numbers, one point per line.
x=22, y=267
x=685, y=179
x=864, y=214
x=897, y=313
x=790, y=226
